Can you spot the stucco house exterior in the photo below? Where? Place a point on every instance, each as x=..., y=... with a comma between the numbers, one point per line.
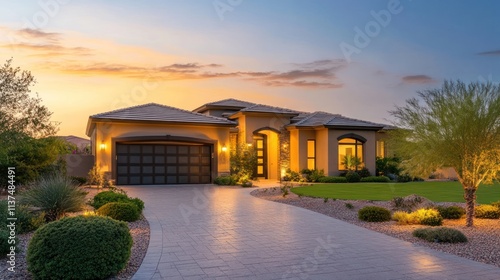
x=158, y=144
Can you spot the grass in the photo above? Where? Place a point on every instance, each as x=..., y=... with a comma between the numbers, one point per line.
x=435, y=191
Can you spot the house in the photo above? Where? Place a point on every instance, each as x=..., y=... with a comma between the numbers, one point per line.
x=159, y=144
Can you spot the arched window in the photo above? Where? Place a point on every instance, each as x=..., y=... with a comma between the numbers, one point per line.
x=351, y=153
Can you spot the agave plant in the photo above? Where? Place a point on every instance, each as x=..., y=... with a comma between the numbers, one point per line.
x=56, y=195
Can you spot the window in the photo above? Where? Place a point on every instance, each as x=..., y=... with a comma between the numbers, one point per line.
x=380, y=149
x=311, y=154
x=350, y=149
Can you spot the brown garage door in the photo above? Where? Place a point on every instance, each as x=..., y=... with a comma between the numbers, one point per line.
x=155, y=164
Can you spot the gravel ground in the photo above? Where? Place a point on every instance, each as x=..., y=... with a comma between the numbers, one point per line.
x=140, y=234
x=484, y=237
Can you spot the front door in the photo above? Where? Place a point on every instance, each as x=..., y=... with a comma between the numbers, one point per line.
x=261, y=149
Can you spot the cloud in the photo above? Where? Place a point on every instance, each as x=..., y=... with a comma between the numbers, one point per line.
x=57, y=52
x=314, y=78
x=492, y=53
x=38, y=34
x=418, y=79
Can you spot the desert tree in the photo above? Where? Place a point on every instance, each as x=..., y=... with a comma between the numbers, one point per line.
x=20, y=111
x=458, y=126
x=26, y=132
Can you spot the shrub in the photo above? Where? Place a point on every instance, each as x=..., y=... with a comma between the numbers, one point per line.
x=122, y=211
x=91, y=247
x=410, y=202
x=332, y=179
x=291, y=176
x=95, y=176
x=112, y=196
x=4, y=242
x=440, y=234
x=428, y=217
x=364, y=172
x=27, y=220
x=451, y=213
x=404, y=178
x=487, y=212
x=352, y=177
x=313, y=175
x=349, y=206
x=226, y=180
x=377, y=179
x=496, y=204
x=388, y=166
x=56, y=195
x=374, y=214
x=80, y=180
x=403, y=218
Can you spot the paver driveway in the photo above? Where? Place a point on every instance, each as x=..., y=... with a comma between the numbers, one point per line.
x=210, y=232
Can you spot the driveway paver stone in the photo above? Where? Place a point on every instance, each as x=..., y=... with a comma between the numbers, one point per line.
x=212, y=232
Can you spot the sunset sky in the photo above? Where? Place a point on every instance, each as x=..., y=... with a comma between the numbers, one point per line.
x=356, y=58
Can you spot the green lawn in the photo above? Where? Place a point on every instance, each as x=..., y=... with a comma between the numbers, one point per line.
x=435, y=191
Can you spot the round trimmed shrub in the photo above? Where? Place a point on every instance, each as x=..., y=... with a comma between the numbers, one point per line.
x=487, y=212
x=82, y=247
x=352, y=177
x=110, y=196
x=451, y=213
x=122, y=211
x=374, y=214
x=440, y=235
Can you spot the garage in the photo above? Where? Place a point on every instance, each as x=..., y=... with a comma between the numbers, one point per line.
x=163, y=163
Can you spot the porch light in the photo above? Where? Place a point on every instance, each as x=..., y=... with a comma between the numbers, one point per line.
x=224, y=148
x=249, y=144
x=102, y=146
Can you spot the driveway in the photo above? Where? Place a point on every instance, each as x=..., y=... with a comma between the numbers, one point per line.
x=211, y=232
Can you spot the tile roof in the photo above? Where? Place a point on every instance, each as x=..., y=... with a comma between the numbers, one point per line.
x=335, y=120
x=269, y=109
x=231, y=102
x=161, y=113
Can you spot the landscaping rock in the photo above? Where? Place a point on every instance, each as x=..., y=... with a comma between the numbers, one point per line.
x=411, y=203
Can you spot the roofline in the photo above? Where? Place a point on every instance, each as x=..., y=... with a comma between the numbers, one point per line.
x=349, y=127
x=376, y=128
x=249, y=113
x=92, y=121
x=205, y=107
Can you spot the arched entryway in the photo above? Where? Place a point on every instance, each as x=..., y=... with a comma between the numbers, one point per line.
x=266, y=143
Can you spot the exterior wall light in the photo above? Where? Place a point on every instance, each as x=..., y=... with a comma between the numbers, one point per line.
x=224, y=148
x=102, y=146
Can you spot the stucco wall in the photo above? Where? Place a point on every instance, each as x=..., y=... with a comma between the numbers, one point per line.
x=248, y=124
x=106, y=132
x=323, y=151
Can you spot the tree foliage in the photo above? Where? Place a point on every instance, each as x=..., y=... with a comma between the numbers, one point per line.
x=25, y=128
x=455, y=126
x=19, y=111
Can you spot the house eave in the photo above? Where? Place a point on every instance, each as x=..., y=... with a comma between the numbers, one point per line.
x=107, y=120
